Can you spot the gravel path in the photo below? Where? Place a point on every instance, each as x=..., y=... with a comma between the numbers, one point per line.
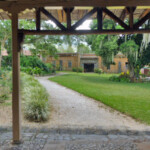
x=72, y=109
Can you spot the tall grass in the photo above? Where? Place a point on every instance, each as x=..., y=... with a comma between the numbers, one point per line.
x=36, y=105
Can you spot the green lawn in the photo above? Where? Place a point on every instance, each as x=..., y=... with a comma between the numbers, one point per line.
x=130, y=98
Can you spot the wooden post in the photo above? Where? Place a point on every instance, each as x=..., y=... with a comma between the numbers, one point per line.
x=16, y=104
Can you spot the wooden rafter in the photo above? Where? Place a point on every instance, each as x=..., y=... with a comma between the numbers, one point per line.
x=64, y=16
x=99, y=18
x=68, y=12
x=80, y=13
x=38, y=19
x=73, y=3
x=88, y=15
x=123, y=14
x=142, y=21
x=145, y=12
x=52, y=18
x=115, y=18
x=60, y=16
x=131, y=16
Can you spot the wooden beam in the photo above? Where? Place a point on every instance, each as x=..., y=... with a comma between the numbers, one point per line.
x=64, y=16
x=123, y=14
x=73, y=3
x=60, y=16
x=115, y=18
x=80, y=13
x=99, y=18
x=83, y=32
x=142, y=21
x=131, y=15
x=38, y=19
x=145, y=12
x=88, y=15
x=68, y=14
x=16, y=103
x=131, y=18
x=52, y=18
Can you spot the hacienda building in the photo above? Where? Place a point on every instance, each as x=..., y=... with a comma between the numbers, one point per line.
x=89, y=62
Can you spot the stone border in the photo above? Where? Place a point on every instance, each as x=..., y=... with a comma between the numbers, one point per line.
x=79, y=131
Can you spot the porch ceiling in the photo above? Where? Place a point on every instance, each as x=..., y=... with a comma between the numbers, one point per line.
x=81, y=7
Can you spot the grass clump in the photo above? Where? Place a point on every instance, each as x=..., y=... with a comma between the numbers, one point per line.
x=5, y=86
x=36, y=105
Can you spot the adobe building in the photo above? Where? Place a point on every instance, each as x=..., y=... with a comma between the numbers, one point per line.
x=89, y=62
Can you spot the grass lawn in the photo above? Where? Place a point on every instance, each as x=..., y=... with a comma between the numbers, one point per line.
x=130, y=98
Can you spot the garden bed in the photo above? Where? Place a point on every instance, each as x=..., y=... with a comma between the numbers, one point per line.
x=34, y=97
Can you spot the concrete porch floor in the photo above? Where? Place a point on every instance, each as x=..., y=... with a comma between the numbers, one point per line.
x=49, y=141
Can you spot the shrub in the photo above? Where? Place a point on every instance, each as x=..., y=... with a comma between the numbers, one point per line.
x=114, y=78
x=124, y=77
x=79, y=69
x=3, y=97
x=99, y=71
x=51, y=67
x=74, y=69
x=5, y=86
x=26, y=62
x=35, y=98
x=32, y=71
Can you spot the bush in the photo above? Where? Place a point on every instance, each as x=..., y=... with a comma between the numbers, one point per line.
x=99, y=71
x=5, y=85
x=124, y=77
x=51, y=67
x=74, y=69
x=27, y=62
x=114, y=78
x=79, y=69
x=35, y=98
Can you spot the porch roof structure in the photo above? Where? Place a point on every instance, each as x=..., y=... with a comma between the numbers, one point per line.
x=74, y=13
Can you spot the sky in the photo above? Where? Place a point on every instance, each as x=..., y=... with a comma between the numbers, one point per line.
x=84, y=26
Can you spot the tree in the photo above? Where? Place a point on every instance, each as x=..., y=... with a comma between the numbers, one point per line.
x=5, y=37
x=130, y=49
x=71, y=42
x=83, y=49
x=104, y=45
x=41, y=45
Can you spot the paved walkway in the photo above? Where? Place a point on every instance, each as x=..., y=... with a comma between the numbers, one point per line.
x=71, y=109
x=45, y=141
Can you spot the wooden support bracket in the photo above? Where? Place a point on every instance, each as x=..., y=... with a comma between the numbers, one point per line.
x=20, y=40
x=99, y=18
x=68, y=12
x=52, y=18
x=38, y=19
x=115, y=18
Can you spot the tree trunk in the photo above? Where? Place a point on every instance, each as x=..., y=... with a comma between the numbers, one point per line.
x=2, y=48
x=131, y=70
x=0, y=61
